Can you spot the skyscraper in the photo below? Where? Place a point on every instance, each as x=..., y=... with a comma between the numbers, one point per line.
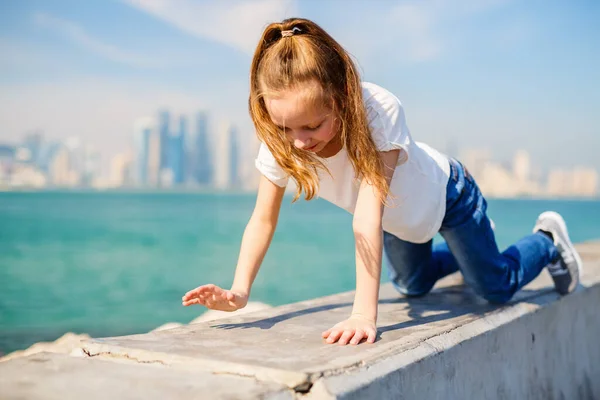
x=522, y=166
x=203, y=166
x=226, y=157
x=154, y=153
x=33, y=142
x=76, y=157
x=61, y=173
x=234, y=158
x=142, y=131
x=177, y=152
x=163, y=133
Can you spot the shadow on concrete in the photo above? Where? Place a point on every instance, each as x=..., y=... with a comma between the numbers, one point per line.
x=451, y=302
x=443, y=303
x=268, y=323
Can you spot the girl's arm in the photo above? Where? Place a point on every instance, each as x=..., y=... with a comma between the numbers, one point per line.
x=368, y=234
x=255, y=242
x=258, y=234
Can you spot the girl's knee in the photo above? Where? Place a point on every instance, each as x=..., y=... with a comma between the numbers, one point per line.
x=495, y=297
x=412, y=290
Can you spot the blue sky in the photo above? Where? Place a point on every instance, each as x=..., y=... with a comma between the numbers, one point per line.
x=495, y=74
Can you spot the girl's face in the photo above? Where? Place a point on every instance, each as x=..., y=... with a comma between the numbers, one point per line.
x=307, y=123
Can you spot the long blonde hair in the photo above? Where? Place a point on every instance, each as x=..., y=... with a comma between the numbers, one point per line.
x=311, y=54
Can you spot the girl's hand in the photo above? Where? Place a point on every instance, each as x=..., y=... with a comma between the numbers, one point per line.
x=352, y=330
x=215, y=298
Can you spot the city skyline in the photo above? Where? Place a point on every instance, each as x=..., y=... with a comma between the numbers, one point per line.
x=172, y=150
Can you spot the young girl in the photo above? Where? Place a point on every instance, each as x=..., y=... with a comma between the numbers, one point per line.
x=348, y=142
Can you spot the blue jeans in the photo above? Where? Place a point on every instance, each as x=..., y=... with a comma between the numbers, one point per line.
x=470, y=246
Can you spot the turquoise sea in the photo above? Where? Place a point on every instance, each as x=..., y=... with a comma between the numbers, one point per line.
x=118, y=263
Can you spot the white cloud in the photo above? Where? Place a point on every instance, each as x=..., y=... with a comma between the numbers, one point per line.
x=236, y=23
x=78, y=35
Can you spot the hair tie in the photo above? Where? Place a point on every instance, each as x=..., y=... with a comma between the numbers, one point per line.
x=294, y=31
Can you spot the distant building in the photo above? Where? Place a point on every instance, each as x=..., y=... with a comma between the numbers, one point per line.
x=7, y=154
x=164, y=124
x=522, y=166
x=46, y=155
x=33, y=142
x=578, y=182
x=585, y=181
x=203, y=170
x=234, y=158
x=142, y=132
x=177, y=152
x=76, y=160
x=60, y=171
x=7, y=159
x=120, y=170
x=227, y=158
x=154, y=156
x=91, y=166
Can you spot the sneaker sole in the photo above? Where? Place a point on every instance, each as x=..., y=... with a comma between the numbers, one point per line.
x=561, y=230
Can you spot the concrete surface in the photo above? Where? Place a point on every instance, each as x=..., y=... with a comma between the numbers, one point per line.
x=448, y=344
x=57, y=376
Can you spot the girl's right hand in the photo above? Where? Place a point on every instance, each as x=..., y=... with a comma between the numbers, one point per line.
x=215, y=298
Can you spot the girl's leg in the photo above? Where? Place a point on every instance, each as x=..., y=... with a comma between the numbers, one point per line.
x=414, y=268
x=493, y=275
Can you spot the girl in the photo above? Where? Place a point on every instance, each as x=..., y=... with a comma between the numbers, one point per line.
x=348, y=142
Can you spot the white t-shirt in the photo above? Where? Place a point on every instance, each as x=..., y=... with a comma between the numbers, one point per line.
x=417, y=204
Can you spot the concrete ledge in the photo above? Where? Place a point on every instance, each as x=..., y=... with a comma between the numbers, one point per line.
x=59, y=376
x=448, y=344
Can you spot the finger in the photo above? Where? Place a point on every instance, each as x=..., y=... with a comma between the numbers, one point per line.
x=334, y=336
x=372, y=336
x=358, y=336
x=206, y=289
x=199, y=301
x=198, y=291
x=191, y=302
x=190, y=294
x=348, y=333
x=229, y=295
x=326, y=333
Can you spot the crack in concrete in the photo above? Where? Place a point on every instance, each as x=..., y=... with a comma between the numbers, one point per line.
x=123, y=355
x=301, y=388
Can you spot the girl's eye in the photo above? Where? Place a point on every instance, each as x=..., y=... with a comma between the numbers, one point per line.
x=315, y=128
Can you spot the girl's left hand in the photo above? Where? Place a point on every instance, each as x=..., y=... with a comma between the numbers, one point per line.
x=352, y=330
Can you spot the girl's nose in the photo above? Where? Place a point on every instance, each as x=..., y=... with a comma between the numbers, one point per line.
x=302, y=140
x=302, y=144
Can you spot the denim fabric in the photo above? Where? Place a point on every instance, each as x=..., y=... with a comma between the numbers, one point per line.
x=470, y=246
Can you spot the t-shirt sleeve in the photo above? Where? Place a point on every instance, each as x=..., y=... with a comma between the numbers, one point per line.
x=387, y=121
x=268, y=166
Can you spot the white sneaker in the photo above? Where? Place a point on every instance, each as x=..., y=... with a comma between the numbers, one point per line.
x=566, y=270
